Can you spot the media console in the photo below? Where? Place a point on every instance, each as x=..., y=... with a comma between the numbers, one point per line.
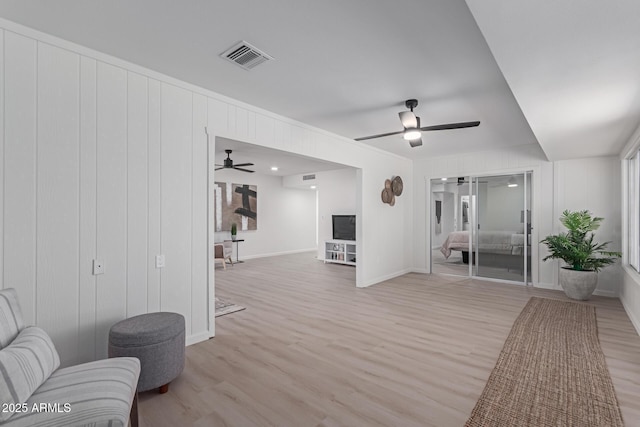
x=340, y=251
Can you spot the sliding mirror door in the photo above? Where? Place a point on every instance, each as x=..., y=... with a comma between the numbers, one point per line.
x=502, y=227
x=450, y=224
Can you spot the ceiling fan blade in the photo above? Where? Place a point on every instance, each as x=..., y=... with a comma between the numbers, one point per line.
x=408, y=119
x=415, y=142
x=378, y=136
x=244, y=164
x=221, y=167
x=243, y=170
x=451, y=126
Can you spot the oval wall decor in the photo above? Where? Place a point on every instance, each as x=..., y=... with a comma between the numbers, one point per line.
x=392, y=188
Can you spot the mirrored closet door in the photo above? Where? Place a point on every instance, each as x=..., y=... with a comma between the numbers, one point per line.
x=481, y=226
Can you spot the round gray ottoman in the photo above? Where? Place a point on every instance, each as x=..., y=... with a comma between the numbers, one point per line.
x=157, y=339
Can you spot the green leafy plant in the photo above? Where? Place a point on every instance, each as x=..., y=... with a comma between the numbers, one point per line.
x=234, y=229
x=576, y=247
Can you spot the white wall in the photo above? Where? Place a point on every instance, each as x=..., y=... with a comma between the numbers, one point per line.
x=503, y=206
x=336, y=195
x=105, y=159
x=592, y=184
x=286, y=217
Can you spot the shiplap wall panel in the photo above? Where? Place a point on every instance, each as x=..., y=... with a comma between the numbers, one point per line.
x=20, y=167
x=58, y=195
x=265, y=129
x=199, y=237
x=218, y=117
x=242, y=123
x=176, y=143
x=112, y=200
x=137, y=194
x=2, y=159
x=232, y=125
x=154, y=182
x=88, y=212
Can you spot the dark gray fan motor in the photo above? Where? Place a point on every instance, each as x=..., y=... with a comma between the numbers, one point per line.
x=228, y=164
x=412, y=131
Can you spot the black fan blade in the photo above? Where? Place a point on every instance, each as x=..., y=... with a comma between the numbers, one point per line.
x=408, y=119
x=244, y=164
x=221, y=167
x=415, y=142
x=243, y=170
x=378, y=136
x=451, y=126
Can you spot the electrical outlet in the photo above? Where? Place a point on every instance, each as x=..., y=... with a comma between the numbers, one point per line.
x=159, y=261
x=98, y=267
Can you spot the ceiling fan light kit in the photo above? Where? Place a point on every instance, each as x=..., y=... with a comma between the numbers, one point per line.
x=412, y=131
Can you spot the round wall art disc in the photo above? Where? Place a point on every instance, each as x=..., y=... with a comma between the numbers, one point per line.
x=396, y=186
x=386, y=195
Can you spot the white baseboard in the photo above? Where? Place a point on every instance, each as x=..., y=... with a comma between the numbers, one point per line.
x=419, y=270
x=296, y=251
x=632, y=316
x=383, y=278
x=199, y=337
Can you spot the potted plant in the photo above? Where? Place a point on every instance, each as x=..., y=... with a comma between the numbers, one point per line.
x=234, y=230
x=584, y=257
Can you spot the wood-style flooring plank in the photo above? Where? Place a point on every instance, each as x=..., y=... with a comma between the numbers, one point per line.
x=311, y=349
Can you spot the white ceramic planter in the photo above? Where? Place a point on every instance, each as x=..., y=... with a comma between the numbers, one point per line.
x=578, y=285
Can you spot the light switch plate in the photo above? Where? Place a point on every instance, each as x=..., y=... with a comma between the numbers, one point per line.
x=98, y=267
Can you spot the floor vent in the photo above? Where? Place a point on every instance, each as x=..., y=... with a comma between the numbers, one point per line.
x=245, y=55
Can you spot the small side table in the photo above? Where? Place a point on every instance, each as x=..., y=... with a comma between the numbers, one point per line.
x=237, y=253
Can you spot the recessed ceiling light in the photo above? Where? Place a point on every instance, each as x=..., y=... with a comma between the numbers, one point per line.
x=443, y=179
x=313, y=187
x=274, y=168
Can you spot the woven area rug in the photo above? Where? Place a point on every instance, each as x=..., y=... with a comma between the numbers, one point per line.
x=551, y=372
x=225, y=307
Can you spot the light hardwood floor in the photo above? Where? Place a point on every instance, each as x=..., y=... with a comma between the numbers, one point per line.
x=313, y=350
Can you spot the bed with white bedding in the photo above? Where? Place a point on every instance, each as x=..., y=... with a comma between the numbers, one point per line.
x=489, y=242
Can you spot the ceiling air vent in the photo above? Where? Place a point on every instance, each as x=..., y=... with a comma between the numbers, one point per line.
x=308, y=177
x=245, y=55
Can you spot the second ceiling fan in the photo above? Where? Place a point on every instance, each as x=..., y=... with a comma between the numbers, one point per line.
x=412, y=131
x=228, y=164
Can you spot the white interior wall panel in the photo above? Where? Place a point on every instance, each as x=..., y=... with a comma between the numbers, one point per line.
x=199, y=235
x=88, y=212
x=176, y=158
x=137, y=194
x=112, y=200
x=2, y=159
x=153, y=225
x=58, y=195
x=122, y=177
x=20, y=151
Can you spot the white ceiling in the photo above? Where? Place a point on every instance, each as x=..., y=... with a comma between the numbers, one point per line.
x=574, y=68
x=264, y=158
x=344, y=66
x=348, y=66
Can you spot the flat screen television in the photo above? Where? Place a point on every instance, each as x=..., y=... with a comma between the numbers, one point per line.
x=344, y=227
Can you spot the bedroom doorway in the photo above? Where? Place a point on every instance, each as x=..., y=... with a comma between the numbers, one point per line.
x=481, y=226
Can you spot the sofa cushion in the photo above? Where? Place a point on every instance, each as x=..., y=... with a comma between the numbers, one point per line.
x=96, y=394
x=10, y=317
x=25, y=364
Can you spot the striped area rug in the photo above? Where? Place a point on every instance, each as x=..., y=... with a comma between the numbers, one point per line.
x=551, y=372
x=225, y=307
